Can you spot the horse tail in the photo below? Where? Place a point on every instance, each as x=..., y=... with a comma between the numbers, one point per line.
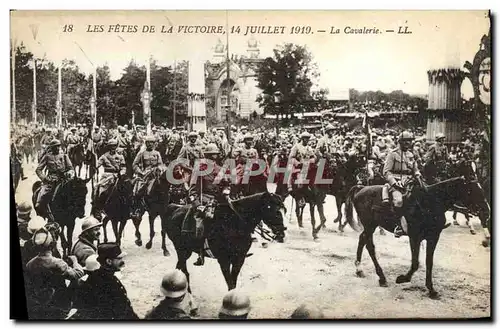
x=354, y=224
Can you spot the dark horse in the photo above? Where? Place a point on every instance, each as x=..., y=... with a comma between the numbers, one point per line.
x=117, y=207
x=66, y=204
x=155, y=204
x=229, y=235
x=77, y=158
x=424, y=211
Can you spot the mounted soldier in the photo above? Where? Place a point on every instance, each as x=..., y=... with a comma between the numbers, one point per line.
x=144, y=166
x=300, y=154
x=72, y=140
x=59, y=168
x=436, y=158
x=97, y=140
x=114, y=166
x=191, y=150
x=400, y=166
x=45, y=140
x=204, y=197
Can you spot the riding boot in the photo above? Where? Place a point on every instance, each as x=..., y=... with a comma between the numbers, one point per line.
x=385, y=195
x=21, y=171
x=398, y=230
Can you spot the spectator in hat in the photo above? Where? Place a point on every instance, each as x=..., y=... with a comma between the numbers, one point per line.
x=102, y=296
x=177, y=304
x=23, y=218
x=84, y=246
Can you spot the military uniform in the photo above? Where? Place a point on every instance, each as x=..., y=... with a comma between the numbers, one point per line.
x=82, y=249
x=191, y=152
x=72, y=140
x=113, y=164
x=143, y=165
x=57, y=165
x=124, y=142
x=437, y=156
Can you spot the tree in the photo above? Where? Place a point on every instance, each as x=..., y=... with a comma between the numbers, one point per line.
x=127, y=95
x=24, y=82
x=107, y=110
x=46, y=90
x=77, y=91
x=286, y=80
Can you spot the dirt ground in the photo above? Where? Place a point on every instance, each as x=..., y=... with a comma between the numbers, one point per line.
x=282, y=276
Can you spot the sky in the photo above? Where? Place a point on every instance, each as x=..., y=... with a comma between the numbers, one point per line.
x=386, y=61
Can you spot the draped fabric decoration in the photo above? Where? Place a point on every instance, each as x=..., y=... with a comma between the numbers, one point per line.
x=196, y=97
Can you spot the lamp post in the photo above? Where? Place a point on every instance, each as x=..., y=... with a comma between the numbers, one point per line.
x=146, y=98
x=278, y=97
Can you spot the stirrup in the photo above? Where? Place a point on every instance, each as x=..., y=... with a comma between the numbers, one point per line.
x=398, y=231
x=200, y=261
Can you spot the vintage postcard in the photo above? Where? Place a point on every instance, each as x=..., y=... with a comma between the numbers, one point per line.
x=251, y=164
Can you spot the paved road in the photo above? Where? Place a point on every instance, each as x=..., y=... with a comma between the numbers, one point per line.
x=283, y=276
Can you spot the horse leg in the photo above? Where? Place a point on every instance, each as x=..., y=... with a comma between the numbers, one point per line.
x=429, y=262
x=152, y=217
x=321, y=211
x=69, y=231
x=64, y=242
x=469, y=223
x=166, y=253
x=338, y=202
x=104, y=225
x=226, y=272
x=455, y=222
x=371, y=250
x=359, y=253
x=299, y=210
x=415, y=252
x=121, y=228
x=137, y=222
x=313, y=221
x=114, y=224
x=182, y=266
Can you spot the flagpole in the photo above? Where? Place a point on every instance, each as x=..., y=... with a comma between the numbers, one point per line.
x=13, y=81
x=34, y=91
x=59, y=95
x=228, y=113
x=175, y=90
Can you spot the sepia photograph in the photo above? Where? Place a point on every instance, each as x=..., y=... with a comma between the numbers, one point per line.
x=251, y=165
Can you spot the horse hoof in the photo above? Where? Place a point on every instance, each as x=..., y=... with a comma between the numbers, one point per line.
x=485, y=243
x=301, y=226
x=402, y=279
x=336, y=220
x=382, y=232
x=166, y=253
x=472, y=232
x=264, y=244
x=149, y=245
x=360, y=274
x=434, y=295
x=138, y=243
x=383, y=284
x=456, y=223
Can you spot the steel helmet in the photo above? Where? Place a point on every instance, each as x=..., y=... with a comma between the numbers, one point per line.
x=150, y=139
x=244, y=128
x=211, y=149
x=23, y=209
x=36, y=224
x=113, y=142
x=406, y=135
x=307, y=312
x=73, y=128
x=192, y=134
x=248, y=137
x=54, y=142
x=42, y=238
x=121, y=129
x=440, y=136
x=89, y=223
x=235, y=303
x=174, y=284
x=305, y=134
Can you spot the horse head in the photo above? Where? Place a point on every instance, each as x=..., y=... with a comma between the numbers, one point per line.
x=273, y=215
x=74, y=192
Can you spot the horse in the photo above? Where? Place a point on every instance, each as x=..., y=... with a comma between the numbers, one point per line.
x=229, y=234
x=77, y=157
x=16, y=166
x=424, y=211
x=117, y=207
x=477, y=202
x=155, y=202
x=66, y=204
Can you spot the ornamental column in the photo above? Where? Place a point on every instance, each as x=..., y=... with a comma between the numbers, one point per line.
x=196, y=95
x=445, y=104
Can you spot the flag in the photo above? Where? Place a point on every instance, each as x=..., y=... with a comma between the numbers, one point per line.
x=368, y=131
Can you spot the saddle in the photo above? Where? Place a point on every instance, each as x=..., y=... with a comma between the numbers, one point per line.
x=199, y=217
